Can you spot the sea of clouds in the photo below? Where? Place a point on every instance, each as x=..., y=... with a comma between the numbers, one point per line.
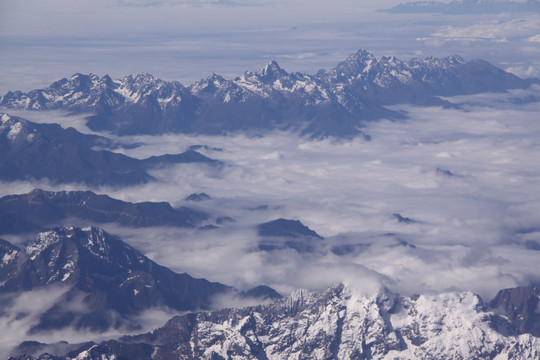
x=463, y=181
x=446, y=200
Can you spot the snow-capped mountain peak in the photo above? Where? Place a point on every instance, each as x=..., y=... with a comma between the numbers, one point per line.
x=14, y=130
x=209, y=85
x=43, y=241
x=355, y=64
x=271, y=72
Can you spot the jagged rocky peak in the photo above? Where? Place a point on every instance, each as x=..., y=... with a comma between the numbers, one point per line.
x=390, y=61
x=137, y=87
x=92, y=238
x=216, y=79
x=64, y=245
x=114, y=281
x=355, y=63
x=140, y=78
x=272, y=72
x=452, y=59
x=142, y=81
x=209, y=85
x=40, y=194
x=91, y=254
x=81, y=82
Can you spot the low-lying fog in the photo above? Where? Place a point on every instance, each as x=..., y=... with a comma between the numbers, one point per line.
x=465, y=183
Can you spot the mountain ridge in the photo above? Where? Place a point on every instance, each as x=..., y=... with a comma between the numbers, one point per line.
x=335, y=102
x=38, y=209
x=340, y=322
x=30, y=150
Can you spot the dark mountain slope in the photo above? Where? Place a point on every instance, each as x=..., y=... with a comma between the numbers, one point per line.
x=37, y=151
x=287, y=234
x=521, y=305
x=106, y=281
x=40, y=209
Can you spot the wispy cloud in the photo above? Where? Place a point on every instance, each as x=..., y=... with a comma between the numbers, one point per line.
x=184, y=3
x=500, y=29
x=142, y=4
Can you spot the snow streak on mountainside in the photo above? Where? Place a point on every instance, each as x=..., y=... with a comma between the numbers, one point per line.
x=338, y=323
x=332, y=102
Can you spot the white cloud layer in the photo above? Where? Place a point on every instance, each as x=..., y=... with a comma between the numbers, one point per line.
x=524, y=72
x=468, y=178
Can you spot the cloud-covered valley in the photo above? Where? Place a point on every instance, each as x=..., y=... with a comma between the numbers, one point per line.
x=447, y=199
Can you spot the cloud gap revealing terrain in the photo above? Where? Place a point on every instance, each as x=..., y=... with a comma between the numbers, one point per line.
x=380, y=209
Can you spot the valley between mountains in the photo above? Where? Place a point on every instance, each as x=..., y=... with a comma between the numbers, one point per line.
x=381, y=209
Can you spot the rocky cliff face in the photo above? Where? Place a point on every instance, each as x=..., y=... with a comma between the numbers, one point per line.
x=521, y=306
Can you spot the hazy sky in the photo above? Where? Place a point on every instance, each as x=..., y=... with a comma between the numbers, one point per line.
x=63, y=17
x=42, y=41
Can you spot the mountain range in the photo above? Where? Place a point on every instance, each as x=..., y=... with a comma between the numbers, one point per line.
x=466, y=7
x=37, y=151
x=340, y=322
x=105, y=283
x=335, y=102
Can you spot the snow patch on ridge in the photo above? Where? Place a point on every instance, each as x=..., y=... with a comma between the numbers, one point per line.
x=43, y=241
